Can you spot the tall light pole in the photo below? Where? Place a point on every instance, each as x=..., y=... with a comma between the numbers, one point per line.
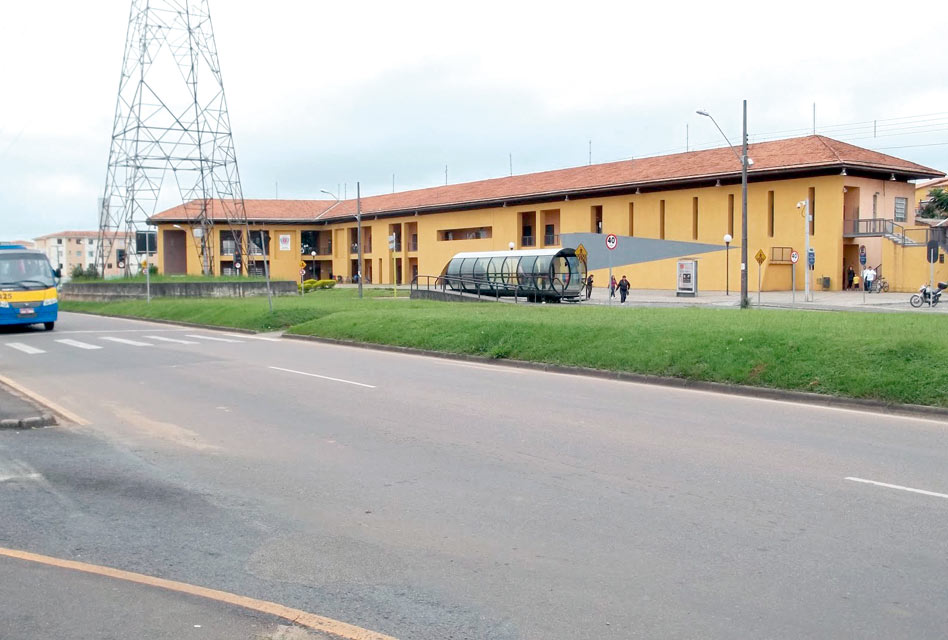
x=745, y=161
x=358, y=226
x=359, y=231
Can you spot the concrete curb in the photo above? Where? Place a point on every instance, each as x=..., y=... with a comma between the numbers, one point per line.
x=35, y=421
x=860, y=404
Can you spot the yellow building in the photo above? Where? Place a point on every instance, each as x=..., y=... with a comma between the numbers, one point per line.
x=923, y=189
x=662, y=209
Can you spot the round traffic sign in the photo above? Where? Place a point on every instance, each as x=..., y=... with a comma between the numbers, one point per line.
x=302, y=272
x=794, y=256
x=611, y=241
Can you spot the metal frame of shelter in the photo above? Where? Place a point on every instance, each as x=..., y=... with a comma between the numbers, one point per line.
x=171, y=119
x=539, y=274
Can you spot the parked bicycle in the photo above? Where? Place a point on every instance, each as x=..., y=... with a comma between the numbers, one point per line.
x=880, y=285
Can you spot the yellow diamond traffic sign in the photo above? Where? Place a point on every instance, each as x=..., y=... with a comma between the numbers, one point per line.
x=302, y=265
x=581, y=253
x=761, y=256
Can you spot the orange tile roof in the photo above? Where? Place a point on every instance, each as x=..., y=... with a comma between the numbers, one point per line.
x=780, y=156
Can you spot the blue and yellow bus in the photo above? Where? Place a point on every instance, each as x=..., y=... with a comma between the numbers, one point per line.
x=27, y=287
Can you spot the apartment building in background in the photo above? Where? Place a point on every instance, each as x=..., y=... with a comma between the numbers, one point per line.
x=67, y=249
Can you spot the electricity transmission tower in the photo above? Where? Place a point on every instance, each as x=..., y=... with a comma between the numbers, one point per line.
x=171, y=126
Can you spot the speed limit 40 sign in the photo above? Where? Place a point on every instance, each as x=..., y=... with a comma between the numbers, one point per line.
x=611, y=241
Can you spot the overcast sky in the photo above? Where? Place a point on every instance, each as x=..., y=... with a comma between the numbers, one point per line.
x=327, y=93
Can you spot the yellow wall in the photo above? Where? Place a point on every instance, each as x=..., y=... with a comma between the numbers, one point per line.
x=571, y=216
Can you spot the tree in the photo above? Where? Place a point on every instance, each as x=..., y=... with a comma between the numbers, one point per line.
x=77, y=271
x=936, y=206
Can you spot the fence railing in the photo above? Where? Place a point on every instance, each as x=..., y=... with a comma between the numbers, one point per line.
x=551, y=238
x=458, y=285
x=527, y=241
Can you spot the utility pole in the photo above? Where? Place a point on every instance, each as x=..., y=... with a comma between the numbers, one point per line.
x=744, y=301
x=359, y=230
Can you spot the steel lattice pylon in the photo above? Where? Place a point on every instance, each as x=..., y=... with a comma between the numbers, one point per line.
x=171, y=119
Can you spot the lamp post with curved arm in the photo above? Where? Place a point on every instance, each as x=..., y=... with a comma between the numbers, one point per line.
x=745, y=161
x=358, y=228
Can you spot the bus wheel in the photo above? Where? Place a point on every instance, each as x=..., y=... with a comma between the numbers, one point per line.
x=49, y=325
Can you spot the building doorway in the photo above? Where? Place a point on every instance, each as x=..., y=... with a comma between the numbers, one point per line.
x=175, y=252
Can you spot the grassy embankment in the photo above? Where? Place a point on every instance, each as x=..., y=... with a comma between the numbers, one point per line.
x=892, y=357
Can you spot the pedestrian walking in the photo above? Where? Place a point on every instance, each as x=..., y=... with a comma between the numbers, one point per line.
x=850, y=274
x=612, y=287
x=623, y=289
x=589, y=286
x=869, y=275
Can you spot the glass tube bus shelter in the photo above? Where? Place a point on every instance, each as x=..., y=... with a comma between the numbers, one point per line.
x=548, y=274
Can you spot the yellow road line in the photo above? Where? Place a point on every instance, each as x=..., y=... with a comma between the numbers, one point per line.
x=49, y=404
x=297, y=616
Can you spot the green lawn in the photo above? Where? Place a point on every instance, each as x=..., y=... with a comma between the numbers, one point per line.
x=892, y=357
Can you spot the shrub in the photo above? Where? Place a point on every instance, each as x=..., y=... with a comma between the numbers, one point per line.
x=77, y=272
x=311, y=285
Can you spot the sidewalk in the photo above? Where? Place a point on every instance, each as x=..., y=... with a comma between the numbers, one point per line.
x=822, y=300
x=18, y=413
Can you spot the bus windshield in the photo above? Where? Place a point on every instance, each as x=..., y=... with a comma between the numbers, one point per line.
x=22, y=270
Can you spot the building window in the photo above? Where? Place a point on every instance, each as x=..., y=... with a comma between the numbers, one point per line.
x=730, y=214
x=472, y=233
x=901, y=207
x=661, y=219
x=875, y=205
x=770, y=214
x=631, y=219
x=694, y=218
x=59, y=240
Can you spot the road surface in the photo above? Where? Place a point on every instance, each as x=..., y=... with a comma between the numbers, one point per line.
x=431, y=498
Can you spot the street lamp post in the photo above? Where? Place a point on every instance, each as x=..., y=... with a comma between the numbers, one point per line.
x=745, y=162
x=727, y=264
x=358, y=227
x=314, y=253
x=359, y=232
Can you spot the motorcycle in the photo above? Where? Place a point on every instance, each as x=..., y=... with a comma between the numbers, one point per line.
x=926, y=294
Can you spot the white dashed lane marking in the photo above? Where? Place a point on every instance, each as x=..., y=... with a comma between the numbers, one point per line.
x=78, y=344
x=25, y=348
x=215, y=339
x=134, y=343
x=174, y=340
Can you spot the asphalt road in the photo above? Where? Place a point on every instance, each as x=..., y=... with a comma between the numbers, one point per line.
x=429, y=498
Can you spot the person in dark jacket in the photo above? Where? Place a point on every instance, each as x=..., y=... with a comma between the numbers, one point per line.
x=623, y=289
x=589, y=286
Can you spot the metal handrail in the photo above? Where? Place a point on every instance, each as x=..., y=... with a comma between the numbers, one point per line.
x=443, y=283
